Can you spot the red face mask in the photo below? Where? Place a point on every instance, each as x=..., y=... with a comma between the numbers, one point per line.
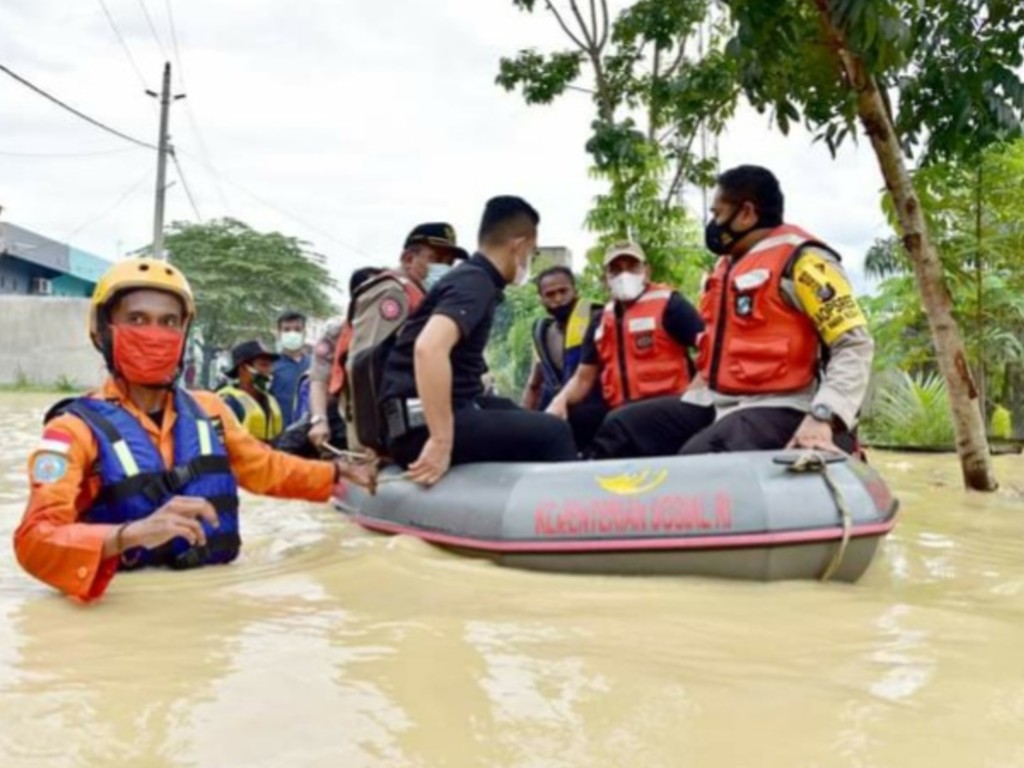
x=147, y=355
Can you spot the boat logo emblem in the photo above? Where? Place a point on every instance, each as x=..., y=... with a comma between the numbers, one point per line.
x=633, y=484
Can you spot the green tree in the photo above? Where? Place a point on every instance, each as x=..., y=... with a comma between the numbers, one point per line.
x=243, y=279
x=952, y=66
x=976, y=214
x=660, y=84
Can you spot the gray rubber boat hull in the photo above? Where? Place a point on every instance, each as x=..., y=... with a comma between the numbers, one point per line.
x=738, y=515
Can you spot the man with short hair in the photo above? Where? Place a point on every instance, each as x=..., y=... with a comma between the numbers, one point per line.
x=640, y=348
x=558, y=344
x=432, y=395
x=143, y=472
x=250, y=395
x=293, y=362
x=785, y=357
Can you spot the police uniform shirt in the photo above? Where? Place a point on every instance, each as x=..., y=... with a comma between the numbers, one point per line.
x=680, y=320
x=468, y=294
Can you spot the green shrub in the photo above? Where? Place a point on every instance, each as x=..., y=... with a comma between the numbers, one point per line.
x=910, y=410
x=65, y=383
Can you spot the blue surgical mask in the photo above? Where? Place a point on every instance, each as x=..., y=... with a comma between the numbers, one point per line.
x=434, y=273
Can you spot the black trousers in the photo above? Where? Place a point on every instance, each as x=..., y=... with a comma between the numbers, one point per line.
x=665, y=426
x=585, y=420
x=495, y=429
x=655, y=427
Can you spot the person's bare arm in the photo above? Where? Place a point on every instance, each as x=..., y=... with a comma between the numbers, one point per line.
x=433, y=367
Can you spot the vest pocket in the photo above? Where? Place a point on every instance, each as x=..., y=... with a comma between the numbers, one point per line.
x=758, y=362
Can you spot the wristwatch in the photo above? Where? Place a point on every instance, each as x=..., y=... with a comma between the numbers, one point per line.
x=821, y=412
x=317, y=420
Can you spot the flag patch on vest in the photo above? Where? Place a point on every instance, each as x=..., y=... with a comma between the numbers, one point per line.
x=48, y=467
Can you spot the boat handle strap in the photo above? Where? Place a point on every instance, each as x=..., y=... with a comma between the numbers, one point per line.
x=811, y=462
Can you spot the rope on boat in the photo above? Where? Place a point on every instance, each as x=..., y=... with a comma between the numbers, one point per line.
x=812, y=462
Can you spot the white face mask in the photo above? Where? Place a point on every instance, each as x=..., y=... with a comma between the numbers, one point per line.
x=292, y=340
x=434, y=273
x=627, y=286
x=523, y=271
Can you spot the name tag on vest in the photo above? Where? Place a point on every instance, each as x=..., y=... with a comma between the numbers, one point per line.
x=642, y=325
x=751, y=280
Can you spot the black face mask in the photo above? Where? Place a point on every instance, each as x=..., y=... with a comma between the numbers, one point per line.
x=720, y=238
x=562, y=313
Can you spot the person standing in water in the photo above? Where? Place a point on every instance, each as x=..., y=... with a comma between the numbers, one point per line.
x=142, y=473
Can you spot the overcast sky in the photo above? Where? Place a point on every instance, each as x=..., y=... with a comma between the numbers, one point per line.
x=340, y=122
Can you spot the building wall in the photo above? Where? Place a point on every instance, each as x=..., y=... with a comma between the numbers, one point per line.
x=45, y=339
x=69, y=285
x=15, y=275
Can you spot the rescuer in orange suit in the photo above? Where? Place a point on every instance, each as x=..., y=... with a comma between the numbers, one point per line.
x=143, y=473
x=785, y=356
x=639, y=349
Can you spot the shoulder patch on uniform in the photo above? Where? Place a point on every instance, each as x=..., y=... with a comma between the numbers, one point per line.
x=48, y=467
x=55, y=441
x=390, y=309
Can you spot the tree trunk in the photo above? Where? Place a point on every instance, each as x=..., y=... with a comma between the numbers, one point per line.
x=971, y=440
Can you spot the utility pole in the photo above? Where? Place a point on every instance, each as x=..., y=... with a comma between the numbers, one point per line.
x=164, y=148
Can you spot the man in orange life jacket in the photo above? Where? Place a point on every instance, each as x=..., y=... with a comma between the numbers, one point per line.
x=143, y=472
x=785, y=357
x=639, y=349
x=378, y=305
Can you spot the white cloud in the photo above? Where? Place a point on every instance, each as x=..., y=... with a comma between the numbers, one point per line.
x=361, y=119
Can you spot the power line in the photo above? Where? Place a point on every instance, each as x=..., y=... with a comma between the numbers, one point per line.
x=68, y=154
x=312, y=227
x=188, y=190
x=152, y=28
x=200, y=140
x=174, y=43
x=124, y=45
x=74, y=111
x=113, y=207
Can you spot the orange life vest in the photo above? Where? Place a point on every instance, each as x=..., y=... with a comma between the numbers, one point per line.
x=639, y=359
x=338, y=374
x=754, y=341
x=414, y=296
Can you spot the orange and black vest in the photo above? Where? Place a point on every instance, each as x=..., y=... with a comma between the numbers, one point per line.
x=413, y=293
x=754, y=341
x=639, y=359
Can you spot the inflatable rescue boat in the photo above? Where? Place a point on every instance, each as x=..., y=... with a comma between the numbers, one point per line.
x=764, y=515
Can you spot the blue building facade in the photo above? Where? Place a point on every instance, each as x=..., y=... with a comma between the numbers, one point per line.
x=33, y=265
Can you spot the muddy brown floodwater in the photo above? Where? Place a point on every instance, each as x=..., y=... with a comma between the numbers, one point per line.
x=328, y=646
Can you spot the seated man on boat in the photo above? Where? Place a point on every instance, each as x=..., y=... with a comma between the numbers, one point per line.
x=639, y=349
x=785, y=356
x=432, y=395
x=558, y=344
x=142, y=472
x=249, y=394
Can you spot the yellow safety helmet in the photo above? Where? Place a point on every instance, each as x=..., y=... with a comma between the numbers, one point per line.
x=134, y=274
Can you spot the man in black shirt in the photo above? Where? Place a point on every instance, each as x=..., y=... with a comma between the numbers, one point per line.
x=433, y=397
